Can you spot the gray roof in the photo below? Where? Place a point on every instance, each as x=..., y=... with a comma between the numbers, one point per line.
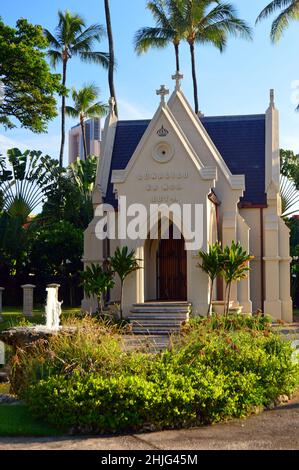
x=239, y=139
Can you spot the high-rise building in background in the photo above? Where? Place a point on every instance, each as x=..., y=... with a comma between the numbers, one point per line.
x=93, y=140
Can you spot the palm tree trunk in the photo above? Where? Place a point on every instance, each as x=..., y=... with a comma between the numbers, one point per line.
x=228, y=298
x=194, y=78
x=121, y=299
x=111, y=54
x=211, y=298
x=177, y=56
x=84, y=138
x=63, y=115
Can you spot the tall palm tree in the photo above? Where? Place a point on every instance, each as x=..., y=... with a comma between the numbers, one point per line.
x=290, y=12
x=86, y=107
x=111, y=54
x=72, y=38
x=167, y=30
x=209, y=22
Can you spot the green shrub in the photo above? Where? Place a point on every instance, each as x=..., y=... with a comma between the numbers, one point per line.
x=89, y=383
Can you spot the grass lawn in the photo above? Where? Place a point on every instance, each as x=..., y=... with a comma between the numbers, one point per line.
x=15, y=420
x=13, y=316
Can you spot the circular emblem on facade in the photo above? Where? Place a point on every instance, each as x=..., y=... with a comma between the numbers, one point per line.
x=163, y=152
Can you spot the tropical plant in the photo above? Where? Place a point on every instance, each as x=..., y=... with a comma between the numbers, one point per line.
x=289, y=182
x=96, y=281
x=290, y=12
x=289, y=197
x=209, y=22
x=111, y=55
x=28, y=181
x=235, y=267
x=123, y=263
x=73, y=39
x=166, y=31
x=212, y=264
x=27, y=86
x=85, y=107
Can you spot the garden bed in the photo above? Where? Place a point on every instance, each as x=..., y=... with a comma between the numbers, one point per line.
x=217, y=369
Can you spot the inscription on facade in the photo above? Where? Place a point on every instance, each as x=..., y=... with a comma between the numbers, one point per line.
x=168, y=181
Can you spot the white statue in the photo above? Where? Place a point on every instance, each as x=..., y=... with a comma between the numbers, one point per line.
x=53, y=307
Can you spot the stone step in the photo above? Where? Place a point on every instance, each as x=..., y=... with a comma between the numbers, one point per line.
x=163, y=305
x=160, y=310
x=155, y=331
x=151, y=316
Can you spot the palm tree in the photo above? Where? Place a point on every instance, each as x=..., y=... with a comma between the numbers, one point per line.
x=290, y=12
x=123, y=263
x=167, y=30
x=235, y=264
x=97, y=280
x=111, y=54
x=209, y=22
x=211, y=263
x=86, y=107
x=72, y=39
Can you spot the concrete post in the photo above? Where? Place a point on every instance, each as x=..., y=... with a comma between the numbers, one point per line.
x=2, y=353
x=1, y=306
x=28, y=299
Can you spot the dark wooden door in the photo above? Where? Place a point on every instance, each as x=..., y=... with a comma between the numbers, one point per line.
x=172, y=270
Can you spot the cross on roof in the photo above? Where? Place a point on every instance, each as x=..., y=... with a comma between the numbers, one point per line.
x=178, y=77
x=162, y=92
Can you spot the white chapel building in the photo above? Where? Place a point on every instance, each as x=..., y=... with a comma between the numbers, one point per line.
x=230, y=165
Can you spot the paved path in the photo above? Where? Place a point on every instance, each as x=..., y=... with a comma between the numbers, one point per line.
x=276, y=429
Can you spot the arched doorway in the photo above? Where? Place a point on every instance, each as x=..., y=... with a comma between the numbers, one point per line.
x=172, y=269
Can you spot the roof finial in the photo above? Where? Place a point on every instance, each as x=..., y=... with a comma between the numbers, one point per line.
x=112, y=104
x=178, y=77
x=272, y=98
x=162, y=92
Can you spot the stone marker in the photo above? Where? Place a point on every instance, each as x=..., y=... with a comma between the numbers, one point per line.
x=1, y=305
x=2, y=354
x=28, y=299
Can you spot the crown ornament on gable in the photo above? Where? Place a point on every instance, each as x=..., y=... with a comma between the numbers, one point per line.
x=162, y=132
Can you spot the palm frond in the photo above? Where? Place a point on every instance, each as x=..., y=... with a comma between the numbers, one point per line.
x=272, y=7
x=54, y=57
x=282, y=22
x=97, y=110
x=71, y=112
x=148, y=37
x=53, y=42
x=101, y=58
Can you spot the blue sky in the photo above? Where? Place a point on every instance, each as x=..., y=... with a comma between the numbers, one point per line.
x=235, y=82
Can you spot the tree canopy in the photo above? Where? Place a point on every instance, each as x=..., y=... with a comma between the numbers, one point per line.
x=28, y=85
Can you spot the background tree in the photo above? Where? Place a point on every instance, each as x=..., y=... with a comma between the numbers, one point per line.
x=28, y=86
x=111, y=54
x=212, y=264
x=289, y=12
x=209, y=22
x=72, y=38
x=123, y=263
x=86, y=107
x=71, y=197
x=55, y=255
x=96, y=282
x=167, y=30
